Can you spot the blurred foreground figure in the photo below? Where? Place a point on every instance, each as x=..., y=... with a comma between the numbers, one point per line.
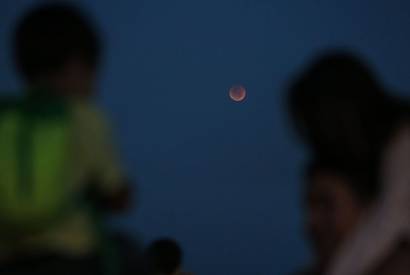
x=337, y=199
x=59, y=171
x=164, y=257
x=345, y=116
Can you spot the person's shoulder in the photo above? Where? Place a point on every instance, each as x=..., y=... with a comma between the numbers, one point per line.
x=88, y=114
x=86, y=108
x=397, y=263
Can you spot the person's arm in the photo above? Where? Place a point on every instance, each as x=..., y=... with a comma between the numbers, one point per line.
x=107, y=186
x=115, y=201
x=389, y=219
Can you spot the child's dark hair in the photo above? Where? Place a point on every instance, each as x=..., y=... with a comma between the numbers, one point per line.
x=164, y=256
x=48, y=35
x=360, y=180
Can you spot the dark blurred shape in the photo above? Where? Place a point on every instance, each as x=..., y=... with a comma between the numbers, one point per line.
x=49, y=36
x=357, y=180
x=164, y=257
x=397, y=263
x=341, y=111
x=129, y=254
x=60, y=172
x=112, y=204
x=349, y=121
x=337, y=198
x=49, y=264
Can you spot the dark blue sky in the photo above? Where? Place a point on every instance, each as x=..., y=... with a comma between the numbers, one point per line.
x=221, y=177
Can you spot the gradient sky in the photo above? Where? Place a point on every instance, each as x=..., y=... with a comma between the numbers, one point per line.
x=221, y=177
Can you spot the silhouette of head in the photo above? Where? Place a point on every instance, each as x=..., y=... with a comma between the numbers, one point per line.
x=55, y=45
x=340, y=109
x=164, y=256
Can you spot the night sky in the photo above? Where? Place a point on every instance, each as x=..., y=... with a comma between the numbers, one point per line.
x=222, y=177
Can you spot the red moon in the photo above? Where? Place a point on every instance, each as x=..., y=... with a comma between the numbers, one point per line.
x=237, y=93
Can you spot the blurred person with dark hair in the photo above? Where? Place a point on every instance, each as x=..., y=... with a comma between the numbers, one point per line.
x=341, y=111
x=344, y=114
x=64, y=163
x=337, y=198
x=164, y=257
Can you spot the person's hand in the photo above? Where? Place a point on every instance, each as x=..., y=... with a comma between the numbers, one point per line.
x=115, y=202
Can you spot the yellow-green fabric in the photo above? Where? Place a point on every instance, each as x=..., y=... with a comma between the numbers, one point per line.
x=92, y=156
x=34, y=148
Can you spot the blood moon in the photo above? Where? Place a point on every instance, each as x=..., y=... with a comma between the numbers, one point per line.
x=237, y=93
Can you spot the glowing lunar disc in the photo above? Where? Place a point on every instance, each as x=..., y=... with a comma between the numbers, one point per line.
x=237, y=93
